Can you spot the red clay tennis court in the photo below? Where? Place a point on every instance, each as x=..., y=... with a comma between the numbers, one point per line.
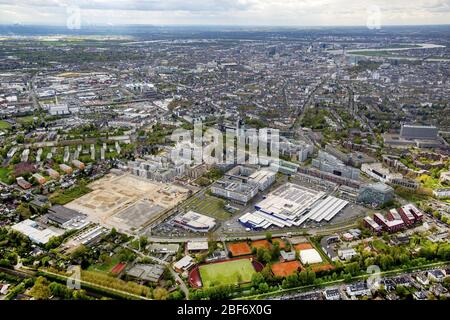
x=118, y=268
x=324, y=267
x=283, y=269
x=239, y=249
x=261, y=244
x=303, y=246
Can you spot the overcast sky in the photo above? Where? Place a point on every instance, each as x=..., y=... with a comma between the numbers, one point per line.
x=227, y=12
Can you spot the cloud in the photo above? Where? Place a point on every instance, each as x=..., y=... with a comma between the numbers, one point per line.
x=140, y=5
x=243, y=12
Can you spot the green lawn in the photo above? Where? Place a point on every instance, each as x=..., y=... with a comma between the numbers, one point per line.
x=63, y=197
x=379, y=245
x=106, y=266
x=26, y=120
x=4, y=125
x=430, y=182
x=210, y=206
x=4, y=175
x=230, y=272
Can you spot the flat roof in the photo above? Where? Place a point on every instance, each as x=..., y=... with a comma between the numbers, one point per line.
x=35, y=232
x=197, y=245
x=289, y=200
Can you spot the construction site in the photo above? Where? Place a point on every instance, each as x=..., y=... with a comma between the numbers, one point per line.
x=126, y=202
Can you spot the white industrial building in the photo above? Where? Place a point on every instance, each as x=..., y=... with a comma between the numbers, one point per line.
x=194, y=221
x=35, y=232
x=292, y=205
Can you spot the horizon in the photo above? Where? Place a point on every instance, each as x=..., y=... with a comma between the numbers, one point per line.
x=274, y=13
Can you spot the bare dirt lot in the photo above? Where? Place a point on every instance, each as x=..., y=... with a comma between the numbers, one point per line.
x=127, y=202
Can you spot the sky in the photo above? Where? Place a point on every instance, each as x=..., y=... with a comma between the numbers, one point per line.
x=79, y=13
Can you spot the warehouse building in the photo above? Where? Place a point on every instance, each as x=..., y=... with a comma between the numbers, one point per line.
x=36, y=232
x=66, y=218
x=194, y=221
x=292, y=205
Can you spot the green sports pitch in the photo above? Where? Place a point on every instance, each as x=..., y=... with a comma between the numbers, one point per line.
x=228, y=272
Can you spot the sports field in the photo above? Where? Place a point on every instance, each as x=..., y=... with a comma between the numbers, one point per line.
x=284, y=269
x=228, y=272
x=303, y=246
x=239, y=249
x=261, y=244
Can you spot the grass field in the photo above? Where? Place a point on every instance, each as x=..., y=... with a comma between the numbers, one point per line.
x=230, y=272
x=4, y=175
x=25, y=120
x=66, y=196
x=4, y=125
x=210, y=206
x=106, y=266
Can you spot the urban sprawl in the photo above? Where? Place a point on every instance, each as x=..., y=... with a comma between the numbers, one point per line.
x=96, y=187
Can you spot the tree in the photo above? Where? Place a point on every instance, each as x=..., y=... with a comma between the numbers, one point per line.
x=267, y=274
x=263, y=287
x=275, y=250
x=269, y=236
x=310, y=277
x=40, y=290
x=176, y=295
x=386, y=261
x=143, y=242
x=347, y=278
x=20, y=138
x=267, y=257
x=352, y=268
x=257, y=279
x=113, y=232
x=160, y=294
x=303, y=277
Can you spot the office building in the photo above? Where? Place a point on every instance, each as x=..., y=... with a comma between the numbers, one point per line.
x=375, y=194
x=328, y=163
